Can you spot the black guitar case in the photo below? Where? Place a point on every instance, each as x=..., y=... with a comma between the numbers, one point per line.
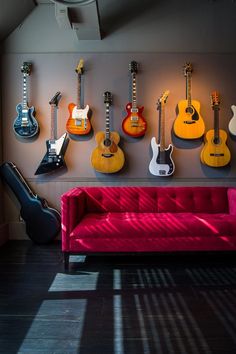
x=42, y=222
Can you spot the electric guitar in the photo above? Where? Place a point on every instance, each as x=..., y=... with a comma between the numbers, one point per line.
x=161, y=163
x=189, y=123
x=107, y=157
x=134, y=124
x=215, y=152
x=54, y=157
x=232, y=122
x=78, y=122
x=42, y=222
x=25, y=125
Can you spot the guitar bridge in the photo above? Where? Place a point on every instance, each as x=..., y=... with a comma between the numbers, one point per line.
x=217, y=155
x=107, y=155
x=162, y=172
x=189, y=122
x=78, y=122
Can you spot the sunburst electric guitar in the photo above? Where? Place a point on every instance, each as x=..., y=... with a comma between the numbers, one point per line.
x=78, y=122
x=161, y=163
x=215, y=152
x=189, y=123
x=54, y=157
x=232, y=122
x=134, y=124
x=107, y=157
x=25, y=125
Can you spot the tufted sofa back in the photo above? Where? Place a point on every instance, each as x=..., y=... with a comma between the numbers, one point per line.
x=156, y=199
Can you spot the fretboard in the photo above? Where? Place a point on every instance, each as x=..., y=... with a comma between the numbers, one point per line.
x=79, y=91
x=24, y=92
x=107, y=121
x=161, y=135
x=216, y=125
x=134, y=91
x=188, y=89
x=53, y=122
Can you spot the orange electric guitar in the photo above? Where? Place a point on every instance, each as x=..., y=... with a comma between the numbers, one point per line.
x=107, y=157
x=134, y=124
x=215, y=152
x=78, y=122
x=189, y=123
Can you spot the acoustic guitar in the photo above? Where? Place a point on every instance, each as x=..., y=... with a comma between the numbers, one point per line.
x=215, y=152
x=161, y=163
x=42, y=222
x=56, y=148
x=107, y=157
x=134, y=124
x=78, y=122
x=189, y=123
x=232, y=122
x=25, y=125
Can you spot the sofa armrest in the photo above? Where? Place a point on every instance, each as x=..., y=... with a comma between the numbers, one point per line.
x=232, y=200
x=72, y=211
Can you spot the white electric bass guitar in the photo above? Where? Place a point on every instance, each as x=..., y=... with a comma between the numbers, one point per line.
x=161, y=163
x=232, y=122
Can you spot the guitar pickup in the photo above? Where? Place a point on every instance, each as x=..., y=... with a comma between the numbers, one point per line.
x=78, y=122
x=217, y=155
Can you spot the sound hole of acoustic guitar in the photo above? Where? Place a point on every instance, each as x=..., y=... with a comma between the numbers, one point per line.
x=107, y=142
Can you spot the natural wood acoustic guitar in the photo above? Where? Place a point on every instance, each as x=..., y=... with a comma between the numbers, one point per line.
x=78, y=122
x=107, y=157
x=215, y=152
x=189, y=123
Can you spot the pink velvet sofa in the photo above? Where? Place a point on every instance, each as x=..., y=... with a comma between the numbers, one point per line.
x=147, y=219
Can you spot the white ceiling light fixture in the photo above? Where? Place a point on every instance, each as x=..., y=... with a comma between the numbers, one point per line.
x=80, y=15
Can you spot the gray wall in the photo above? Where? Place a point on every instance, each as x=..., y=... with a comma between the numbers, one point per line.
x=161, y=38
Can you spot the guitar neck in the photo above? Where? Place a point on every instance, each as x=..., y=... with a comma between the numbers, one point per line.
x=188, y=89
x=24, y=92
x=107, y=121
x=53, y=121
x=134, y=91
x=79, y=91
x=216, y=125
x=161, y=136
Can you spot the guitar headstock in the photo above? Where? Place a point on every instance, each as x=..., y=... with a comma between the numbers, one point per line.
x=107, y=98
x=55, y=99
x=188, y=69
x=26, y=68
x=215, y=100
x=162, y=100
x=133, y=67
x=80, y=67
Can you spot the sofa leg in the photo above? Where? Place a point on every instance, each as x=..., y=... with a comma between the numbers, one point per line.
x=66, y=260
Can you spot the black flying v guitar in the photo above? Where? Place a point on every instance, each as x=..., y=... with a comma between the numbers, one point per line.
x=54, y=157
x=25, y=125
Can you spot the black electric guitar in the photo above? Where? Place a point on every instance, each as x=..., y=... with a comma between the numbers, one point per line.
x=25, y=125
x=54, y=157
x=42, y=222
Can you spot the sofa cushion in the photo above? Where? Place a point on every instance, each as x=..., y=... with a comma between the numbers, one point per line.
x=153, y=199
x=154, y=225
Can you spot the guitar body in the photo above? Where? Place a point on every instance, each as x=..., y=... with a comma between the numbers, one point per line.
x=134, y=124
x=215, y=155
x=107, y=157
x=161, y=163
x=42, y=222
x=189, y=123
x=54, y=157
x=25, y=125
x=78, y=122
x=232, y=122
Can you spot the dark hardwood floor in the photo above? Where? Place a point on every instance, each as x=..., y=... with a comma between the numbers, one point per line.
x=112, y=305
